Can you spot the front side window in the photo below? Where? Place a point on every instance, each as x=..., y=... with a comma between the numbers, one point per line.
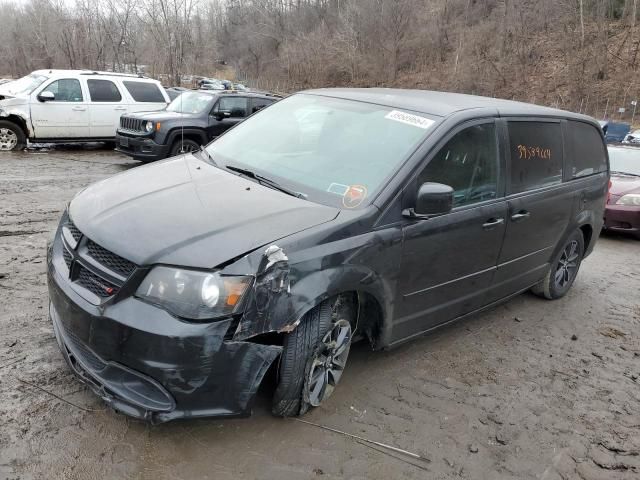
x=536, y=155
x=103, y=91
x=144, y=92
x=468, y=163
x=233, y=106
x=334, y=151
x=65, y=90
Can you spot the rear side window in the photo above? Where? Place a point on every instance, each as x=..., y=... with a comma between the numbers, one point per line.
x=589, y=154
x=536, y=155
x=259, y=104
x=103, y=91
x=144, y=92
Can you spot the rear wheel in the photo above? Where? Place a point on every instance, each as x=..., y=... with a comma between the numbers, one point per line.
x=314, y=357
x=563, y=270
x=12, y=137
x=186, y=145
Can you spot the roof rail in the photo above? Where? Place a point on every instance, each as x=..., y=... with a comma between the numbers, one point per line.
x=110, y=74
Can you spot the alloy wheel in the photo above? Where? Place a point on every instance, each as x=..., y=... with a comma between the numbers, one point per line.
x=8, y=139
x=567, y=267
x=329, y=362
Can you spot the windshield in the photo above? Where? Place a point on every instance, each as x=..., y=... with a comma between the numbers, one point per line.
x=625, y=160
x=191, y=102
x=24, y=85
x=335, y=151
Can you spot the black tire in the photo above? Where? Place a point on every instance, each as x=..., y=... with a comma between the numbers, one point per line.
x=301, y=348
x=12, y=133
x=563, y=269
x=181, y=146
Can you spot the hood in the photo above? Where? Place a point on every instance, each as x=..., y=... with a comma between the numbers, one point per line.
x=160, y=115
x=4, y=92
x=623, y=184
x=7, y=100
x=189, y=213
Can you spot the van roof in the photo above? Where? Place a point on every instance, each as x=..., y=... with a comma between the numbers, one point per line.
x=441, y=104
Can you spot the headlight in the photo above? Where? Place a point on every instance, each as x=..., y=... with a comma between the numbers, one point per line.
x=192, y=294
x=149, y=127
x=632, y=199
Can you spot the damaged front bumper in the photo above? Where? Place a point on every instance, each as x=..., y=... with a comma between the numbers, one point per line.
x=147, y=364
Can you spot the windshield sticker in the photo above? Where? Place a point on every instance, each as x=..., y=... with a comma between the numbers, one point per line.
x=527, y=152
x=338, y=189
x=354, y=196
x=409, y=119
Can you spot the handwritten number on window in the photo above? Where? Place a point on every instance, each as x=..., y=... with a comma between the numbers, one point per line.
x=527, y=152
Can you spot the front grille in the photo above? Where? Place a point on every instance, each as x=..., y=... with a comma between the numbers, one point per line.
x=95, y=284
x=75, y=233
x=67, y=257
x=110, y=260
x=91, y=266
x=132, y=124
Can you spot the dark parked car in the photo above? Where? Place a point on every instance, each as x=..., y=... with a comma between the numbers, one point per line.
x=332, y=216
x=623, y=205
x=615, y=132
x=191, y=120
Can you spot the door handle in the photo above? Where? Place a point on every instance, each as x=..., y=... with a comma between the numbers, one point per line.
x=521, y=215
x=492, y=223
x=79, y=109
x=120, y=108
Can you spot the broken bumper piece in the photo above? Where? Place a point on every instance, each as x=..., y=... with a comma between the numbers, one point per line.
x=155, y=368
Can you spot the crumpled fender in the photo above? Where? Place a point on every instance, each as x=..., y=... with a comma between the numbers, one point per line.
x=7, y=109
x=286, y=288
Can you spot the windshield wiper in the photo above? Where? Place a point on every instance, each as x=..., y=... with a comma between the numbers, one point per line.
x=625, y=173
x=208, y=155
x=265, y=181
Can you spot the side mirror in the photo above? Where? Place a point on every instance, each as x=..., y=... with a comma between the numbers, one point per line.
x=46, y=96
x=433, y=199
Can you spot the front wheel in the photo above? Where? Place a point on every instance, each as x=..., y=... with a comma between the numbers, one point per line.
x=11, y=137
x=184, y=146
x=314, y=357
x=563, y=270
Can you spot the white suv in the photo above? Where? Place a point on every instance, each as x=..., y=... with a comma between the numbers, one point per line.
x=63, y=106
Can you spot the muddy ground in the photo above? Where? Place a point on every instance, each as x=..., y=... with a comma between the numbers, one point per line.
x=532, y=389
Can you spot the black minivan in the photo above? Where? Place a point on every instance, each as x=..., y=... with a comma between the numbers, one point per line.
x=333, y=216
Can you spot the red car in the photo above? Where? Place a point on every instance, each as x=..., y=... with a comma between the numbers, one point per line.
x=622, y=213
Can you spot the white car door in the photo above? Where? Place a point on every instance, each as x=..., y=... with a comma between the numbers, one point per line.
x=146, y=96
x=107, y=104
x=66, y=116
